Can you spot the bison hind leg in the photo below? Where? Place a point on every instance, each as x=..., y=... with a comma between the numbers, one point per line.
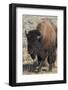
x=51, y=60
x=50, y=63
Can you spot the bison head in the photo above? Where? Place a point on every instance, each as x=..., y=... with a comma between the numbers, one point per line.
x=33, y=37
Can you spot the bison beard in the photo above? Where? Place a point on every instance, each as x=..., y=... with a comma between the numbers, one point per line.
x=42, y=43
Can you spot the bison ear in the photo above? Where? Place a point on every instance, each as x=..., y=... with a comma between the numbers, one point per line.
x=26, y=33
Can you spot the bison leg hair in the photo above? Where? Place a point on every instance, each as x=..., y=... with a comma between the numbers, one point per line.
x=54, y=59
x=40, y=63
x=50, y=63
x=51, y=59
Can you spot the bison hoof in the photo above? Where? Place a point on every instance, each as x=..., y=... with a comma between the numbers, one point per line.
x=37, y=69
x=50, y=68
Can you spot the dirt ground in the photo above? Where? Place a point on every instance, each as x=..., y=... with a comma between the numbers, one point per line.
x=43, y=71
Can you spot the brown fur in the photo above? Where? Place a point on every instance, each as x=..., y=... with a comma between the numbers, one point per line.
x=48, y=32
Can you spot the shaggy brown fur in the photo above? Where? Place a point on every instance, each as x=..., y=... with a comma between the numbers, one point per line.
x=48, y=32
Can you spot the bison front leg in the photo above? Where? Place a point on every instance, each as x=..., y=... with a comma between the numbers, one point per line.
x=40, y=63
x=35, y=64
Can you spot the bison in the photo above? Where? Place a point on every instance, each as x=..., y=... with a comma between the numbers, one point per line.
x=42, y=43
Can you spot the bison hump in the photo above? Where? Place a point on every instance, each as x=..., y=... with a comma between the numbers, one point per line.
x=48, y=33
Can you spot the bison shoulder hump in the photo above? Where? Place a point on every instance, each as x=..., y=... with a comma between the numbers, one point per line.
x=48, y=33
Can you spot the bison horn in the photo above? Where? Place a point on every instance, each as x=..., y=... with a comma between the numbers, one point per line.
x=38, y=37
x=26, y=32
